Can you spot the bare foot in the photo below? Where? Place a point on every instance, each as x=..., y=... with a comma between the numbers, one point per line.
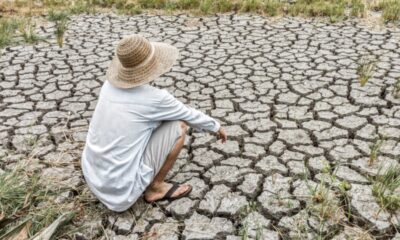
x=156, y=192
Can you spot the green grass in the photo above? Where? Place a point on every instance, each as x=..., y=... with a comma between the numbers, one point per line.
x=217, y=6
x=323, y=203
x=245, y=225
x=334, y=9
x=328, y=201
x=185, y=4
x=130, y=10
x=390, y=10
x=396, y=89
x=60, y=18
x=153, y=4
x=53, y=3
x=344, y=186
x=7, y=31
x=27, y=28
x=26, y=201
x=109, y=3
x=14, y=187
x=252, y=6
x=273, y=7
x=357, y=8
x=386, y=188
x=56, y=16
x=206, y=6
x=29, y=204
x=365, y=71
x=82, y=7
x=375, y=149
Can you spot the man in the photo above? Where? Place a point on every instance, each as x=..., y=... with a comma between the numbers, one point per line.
x=137, y=131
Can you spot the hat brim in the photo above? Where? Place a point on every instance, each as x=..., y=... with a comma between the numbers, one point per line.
x=165, y=55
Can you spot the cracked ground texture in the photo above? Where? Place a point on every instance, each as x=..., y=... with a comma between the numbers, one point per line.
x=287, y=92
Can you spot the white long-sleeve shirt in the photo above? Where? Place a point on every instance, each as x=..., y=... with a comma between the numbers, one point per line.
x=121, y=126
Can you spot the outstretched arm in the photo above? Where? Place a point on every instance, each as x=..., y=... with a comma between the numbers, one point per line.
x=170, y=108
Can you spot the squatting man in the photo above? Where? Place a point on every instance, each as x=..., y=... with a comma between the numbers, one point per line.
x=137, y=131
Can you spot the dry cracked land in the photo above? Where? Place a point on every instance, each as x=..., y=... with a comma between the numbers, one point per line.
x=298, y=162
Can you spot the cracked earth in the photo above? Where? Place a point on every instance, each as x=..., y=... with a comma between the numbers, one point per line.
x=287, y=91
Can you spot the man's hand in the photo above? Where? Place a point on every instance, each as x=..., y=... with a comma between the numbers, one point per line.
x=221, y=135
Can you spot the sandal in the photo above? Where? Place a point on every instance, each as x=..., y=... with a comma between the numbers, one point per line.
x=171, y=191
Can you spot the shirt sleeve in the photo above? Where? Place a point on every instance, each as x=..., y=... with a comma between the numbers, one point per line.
x=170, y=108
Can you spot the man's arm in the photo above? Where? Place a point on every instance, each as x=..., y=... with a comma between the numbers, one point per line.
x=170, y=108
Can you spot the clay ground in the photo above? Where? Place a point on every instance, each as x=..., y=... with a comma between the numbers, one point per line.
x=298, y=161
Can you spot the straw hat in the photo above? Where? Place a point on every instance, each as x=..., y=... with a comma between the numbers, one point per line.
x=138, y=61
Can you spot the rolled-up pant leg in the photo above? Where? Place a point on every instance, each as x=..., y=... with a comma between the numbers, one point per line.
x=161, y=143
